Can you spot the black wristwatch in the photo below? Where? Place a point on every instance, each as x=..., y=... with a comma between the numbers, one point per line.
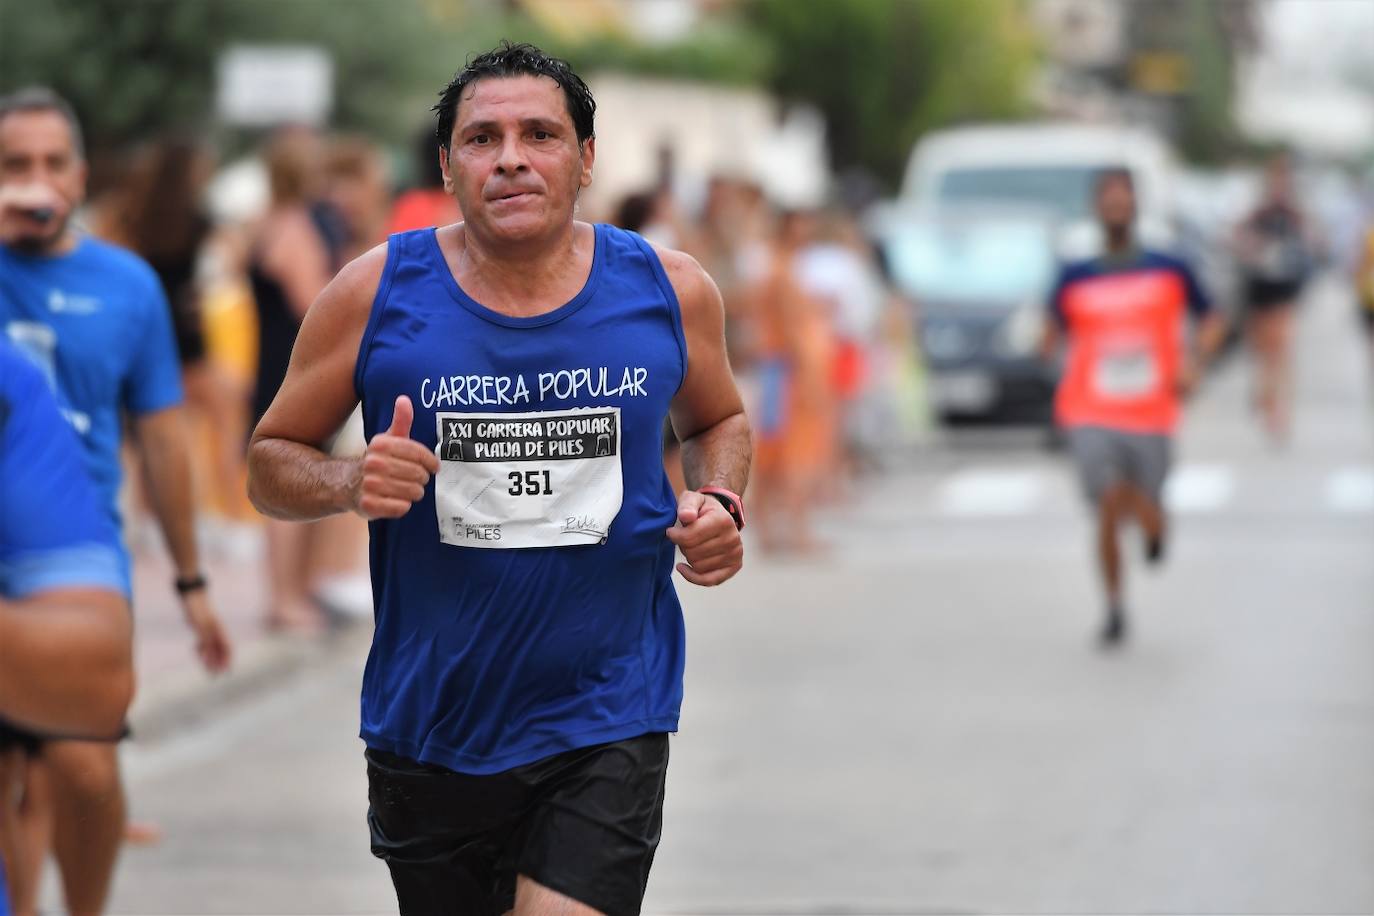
x=730, y=500
x=187, y=584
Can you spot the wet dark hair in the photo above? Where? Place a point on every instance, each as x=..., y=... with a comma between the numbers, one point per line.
x=1110, y=174
x=506, y=60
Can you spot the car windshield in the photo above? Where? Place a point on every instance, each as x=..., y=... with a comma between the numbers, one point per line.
x=1066, y=191
x=991, y=263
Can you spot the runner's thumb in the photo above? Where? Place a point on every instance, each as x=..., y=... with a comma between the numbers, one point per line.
x=401, y=418
x=689, y=506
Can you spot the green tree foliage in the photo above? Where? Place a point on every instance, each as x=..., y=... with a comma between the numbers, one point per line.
x=884, y=71
x=881, y=71
x=718, y=52
x=133, y=68
x=1207, y=130
x=126, y=67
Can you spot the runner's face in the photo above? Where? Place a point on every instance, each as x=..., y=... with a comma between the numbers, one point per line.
x=514, y=161
x=37, y=150
x=1116, y=205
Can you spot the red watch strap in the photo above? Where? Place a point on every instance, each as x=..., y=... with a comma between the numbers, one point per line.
x=730, y=500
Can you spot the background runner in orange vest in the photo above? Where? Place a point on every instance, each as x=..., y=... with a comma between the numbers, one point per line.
x=1124, y=316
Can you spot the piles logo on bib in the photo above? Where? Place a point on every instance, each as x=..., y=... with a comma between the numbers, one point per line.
x=541, y=479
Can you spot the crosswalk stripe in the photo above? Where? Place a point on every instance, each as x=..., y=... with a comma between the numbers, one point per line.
x=989, y=492
x=1193, y=488
x=1350, y=490
x=1198, y=488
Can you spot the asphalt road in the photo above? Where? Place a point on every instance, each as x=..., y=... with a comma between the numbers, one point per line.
x=918, y=721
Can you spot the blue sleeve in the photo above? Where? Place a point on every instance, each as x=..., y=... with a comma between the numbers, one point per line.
x=1055, y=304
x=52, y=531
x=154, y=380
x=1199, y=303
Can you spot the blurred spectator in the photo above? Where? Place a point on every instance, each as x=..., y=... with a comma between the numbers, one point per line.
x=634, y=211
x=1274, y=247
x=358, y=189
x=289, y=262
x=795, y=418
x=1364, y=283
x=66, y=660
x=640, y=213
x=655, y=215
x=357, y=197
x=838, y=271
x=104, y=311
x=156, y=211
x=731, y=243
x=429, y=203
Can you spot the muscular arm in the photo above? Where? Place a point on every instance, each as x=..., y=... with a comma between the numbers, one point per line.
x=289, y=476
x=66, y=661
x=707, y=414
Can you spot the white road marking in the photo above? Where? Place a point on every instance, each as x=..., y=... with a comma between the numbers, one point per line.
x=1199, y=488
x=1350, y=490
x=991, y=492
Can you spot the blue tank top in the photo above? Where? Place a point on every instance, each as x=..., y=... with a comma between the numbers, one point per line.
x=525, y=606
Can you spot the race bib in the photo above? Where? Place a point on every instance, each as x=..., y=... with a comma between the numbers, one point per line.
x=542, y=479
x=1124, y=374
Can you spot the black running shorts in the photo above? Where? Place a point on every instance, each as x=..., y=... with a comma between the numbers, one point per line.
x=584, y=823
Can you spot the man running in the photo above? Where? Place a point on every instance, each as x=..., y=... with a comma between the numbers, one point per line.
x=514, y=372
x=66, y=663
x=1124, y=315
x=95, y=319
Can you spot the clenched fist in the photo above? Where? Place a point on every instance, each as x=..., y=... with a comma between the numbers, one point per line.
x=708, y=539
x=395, y=469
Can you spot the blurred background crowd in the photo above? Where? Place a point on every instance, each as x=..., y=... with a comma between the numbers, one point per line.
x=883, y=260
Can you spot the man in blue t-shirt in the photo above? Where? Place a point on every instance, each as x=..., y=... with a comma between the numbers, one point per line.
x=66, y=661
x=94, y=318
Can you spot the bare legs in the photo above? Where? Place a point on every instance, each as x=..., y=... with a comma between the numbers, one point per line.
x=534, y=899
x=1110, y=513
x=288, y=553
x=88, y=801
x=26, y=826
x=1270, y=333
x=303, y=555
x=1120, y=503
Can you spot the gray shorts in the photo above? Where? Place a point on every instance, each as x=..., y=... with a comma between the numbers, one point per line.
x=1109, y=456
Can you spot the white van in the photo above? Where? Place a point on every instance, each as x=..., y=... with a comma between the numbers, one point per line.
x=1047, y=165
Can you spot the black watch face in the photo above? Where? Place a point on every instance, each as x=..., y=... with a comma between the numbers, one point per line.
x=731, y=507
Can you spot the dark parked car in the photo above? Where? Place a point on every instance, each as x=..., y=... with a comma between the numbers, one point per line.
x=980, y=280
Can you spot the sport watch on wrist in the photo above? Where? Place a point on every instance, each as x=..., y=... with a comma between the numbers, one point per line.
x=731, y=501
x=187, y=584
